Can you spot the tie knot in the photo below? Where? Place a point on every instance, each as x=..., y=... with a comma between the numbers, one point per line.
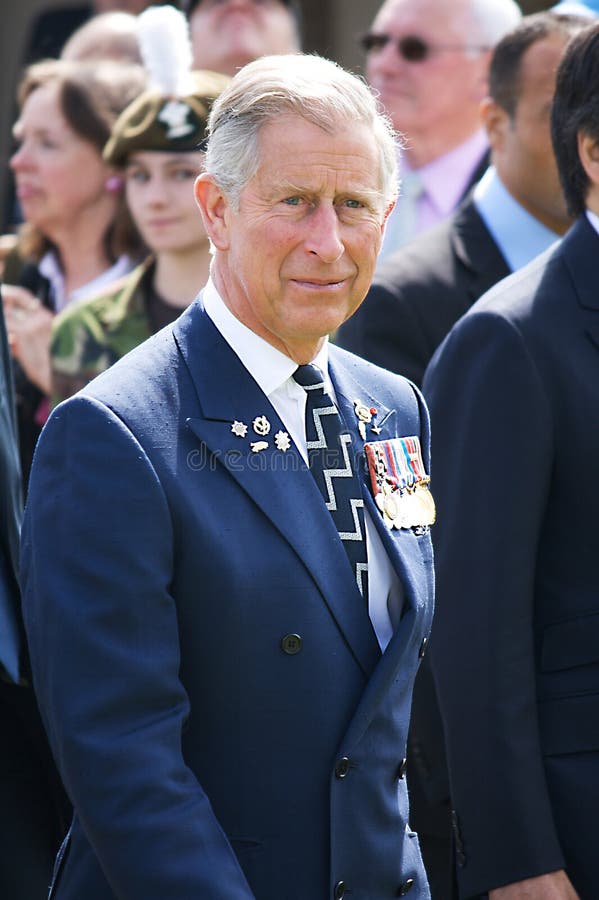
x=309, y=376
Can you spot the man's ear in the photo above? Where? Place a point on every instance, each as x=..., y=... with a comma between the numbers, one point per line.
x=496, y=123
x=214, y=208
x=588, y=151
x=387, y=213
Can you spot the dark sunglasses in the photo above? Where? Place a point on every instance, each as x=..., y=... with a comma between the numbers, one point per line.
x=411, y=48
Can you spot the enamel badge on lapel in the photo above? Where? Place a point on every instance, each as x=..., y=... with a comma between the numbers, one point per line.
x=365, y=416
x=261, y=425
x=239, y=429
x=282, y=441
x=400, y=483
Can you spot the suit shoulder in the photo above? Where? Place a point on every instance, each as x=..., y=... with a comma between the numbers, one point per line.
x=425, y=259
x=148, y=368
x=515, y=294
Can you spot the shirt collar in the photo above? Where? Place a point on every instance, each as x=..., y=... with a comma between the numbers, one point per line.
x=49, y=267
x=517, y=233
x=268, y=366
x=593, y=219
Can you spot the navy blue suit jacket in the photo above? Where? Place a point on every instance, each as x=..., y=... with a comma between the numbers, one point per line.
x=163, y=565
x=514, y=399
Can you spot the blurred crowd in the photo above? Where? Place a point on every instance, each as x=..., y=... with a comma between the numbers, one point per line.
x=103, y=246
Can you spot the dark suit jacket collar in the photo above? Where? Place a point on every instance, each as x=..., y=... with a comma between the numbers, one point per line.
x=474, y=245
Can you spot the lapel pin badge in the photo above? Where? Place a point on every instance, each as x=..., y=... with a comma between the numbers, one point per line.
x=261, y=425
x=282, y=441
x=239, y=429
x=364, y=416
x=258, y=446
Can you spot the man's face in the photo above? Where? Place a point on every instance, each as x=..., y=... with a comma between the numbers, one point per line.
x=297, y=257
x=522, y=149
x=227, y=34
x=436, y=98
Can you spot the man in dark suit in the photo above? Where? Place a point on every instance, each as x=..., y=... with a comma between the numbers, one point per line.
x=420, y=291
x=226, y=606
x=29, y=790
x=514, y=397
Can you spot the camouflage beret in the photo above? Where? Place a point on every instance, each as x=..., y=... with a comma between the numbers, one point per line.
x=157, y=122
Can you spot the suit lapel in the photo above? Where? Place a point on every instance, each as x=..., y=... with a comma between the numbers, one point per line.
x=478, y=252
x=579, y=250
x=401, y=546
x=277, y=481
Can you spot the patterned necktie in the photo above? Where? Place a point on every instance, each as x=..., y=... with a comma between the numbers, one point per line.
x=401, y=224
x=331, y=462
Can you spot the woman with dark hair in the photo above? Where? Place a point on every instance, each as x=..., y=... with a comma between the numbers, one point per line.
x=77, y=234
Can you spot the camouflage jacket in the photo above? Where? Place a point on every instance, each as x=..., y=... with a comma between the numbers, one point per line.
x=91, y=334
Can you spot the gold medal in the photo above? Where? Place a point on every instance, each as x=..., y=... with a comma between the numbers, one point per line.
x=424, y=505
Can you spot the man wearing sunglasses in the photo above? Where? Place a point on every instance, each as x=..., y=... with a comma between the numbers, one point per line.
x=429, y=59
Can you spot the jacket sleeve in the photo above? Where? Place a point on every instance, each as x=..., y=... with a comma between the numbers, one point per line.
x=103, y=633
x=492, y=449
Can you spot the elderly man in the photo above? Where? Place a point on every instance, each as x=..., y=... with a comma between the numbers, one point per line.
x=227, y=563
x=514, y=397
x=227, y=34
x=428, y=60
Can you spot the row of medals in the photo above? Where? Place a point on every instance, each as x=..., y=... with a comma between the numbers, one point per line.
x=409, y=507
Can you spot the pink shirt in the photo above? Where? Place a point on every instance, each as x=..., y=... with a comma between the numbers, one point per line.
x=444, y=182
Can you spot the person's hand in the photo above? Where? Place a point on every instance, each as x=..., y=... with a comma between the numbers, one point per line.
x=553, y=886
x=29, y=327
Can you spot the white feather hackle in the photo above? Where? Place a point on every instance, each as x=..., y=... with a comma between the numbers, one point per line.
x=165, y=47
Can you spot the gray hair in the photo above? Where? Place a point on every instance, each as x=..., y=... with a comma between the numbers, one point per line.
x=495, y=18
x=310, y=86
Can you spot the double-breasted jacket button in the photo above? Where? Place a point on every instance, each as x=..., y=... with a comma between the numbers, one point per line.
x=422, y=650
x=339, y=890
x=401, y=772
x=342, y=767
x=291, y=644
x=406, y=887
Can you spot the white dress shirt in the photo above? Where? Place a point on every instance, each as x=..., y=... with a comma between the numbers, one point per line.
x=273, y=370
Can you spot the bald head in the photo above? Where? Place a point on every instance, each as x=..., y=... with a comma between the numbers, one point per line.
x=433, y=95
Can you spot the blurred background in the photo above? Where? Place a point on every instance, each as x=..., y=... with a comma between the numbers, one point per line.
x=331, y=27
